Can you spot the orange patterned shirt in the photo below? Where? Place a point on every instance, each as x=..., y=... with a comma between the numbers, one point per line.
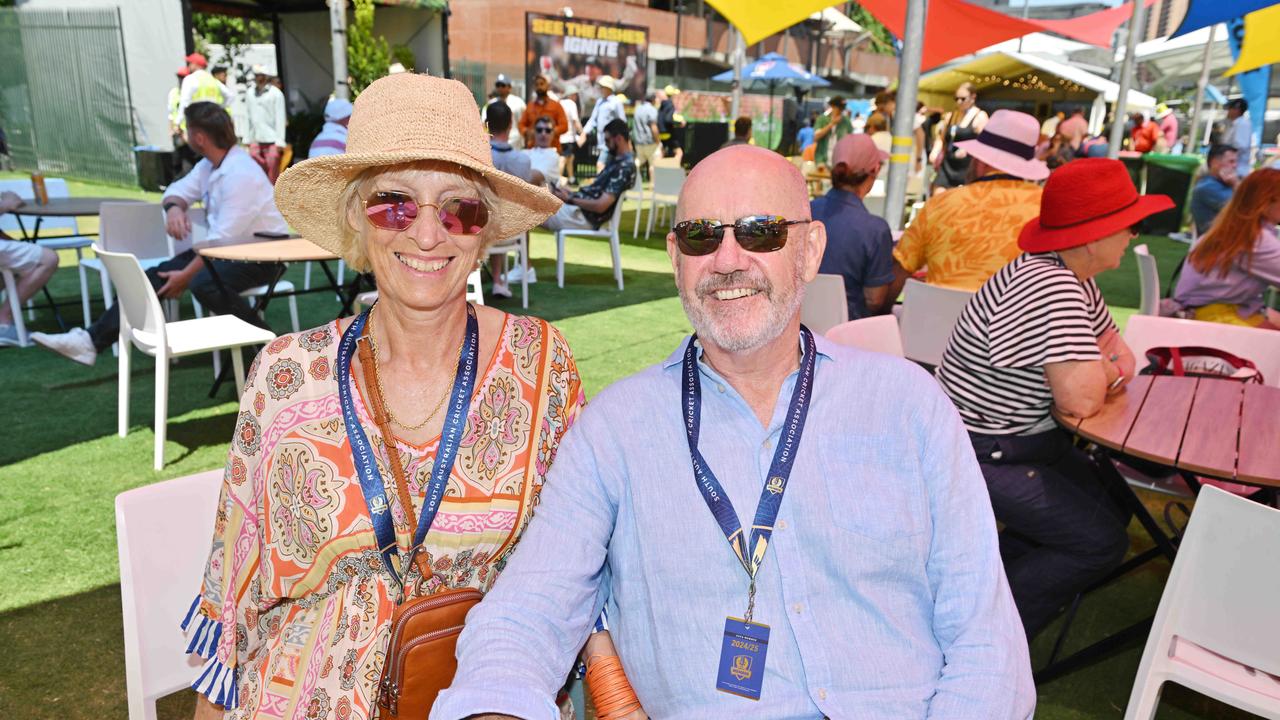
x=965, y=235
x=295, y=610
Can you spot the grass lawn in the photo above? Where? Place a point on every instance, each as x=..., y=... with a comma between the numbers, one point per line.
x=62, y=466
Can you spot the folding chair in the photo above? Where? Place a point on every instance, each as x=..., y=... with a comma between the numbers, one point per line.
x=929, y=313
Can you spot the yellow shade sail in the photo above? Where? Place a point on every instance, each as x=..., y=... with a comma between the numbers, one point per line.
x=1261, y=44
x=758, y=19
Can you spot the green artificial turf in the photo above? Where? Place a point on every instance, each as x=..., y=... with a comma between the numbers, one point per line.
x=62, y=464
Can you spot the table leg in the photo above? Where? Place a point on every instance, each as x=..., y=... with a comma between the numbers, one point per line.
x=1125, y=493
x=1095, y=652
x=34, y=237
x=333, y=280
x=259, y=306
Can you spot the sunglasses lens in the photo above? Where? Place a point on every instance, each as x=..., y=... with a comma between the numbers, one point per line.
x=463, y=216
x=697, y=237
x=761, y=233
x=391, y=210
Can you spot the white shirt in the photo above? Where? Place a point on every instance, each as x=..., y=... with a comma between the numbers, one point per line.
x=1242, y=141
x=575, y=121
x=237, y=197
x=266, y=117
x=544, y=160
x=606, y=111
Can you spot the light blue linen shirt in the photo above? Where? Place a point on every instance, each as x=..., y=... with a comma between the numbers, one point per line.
x=882, y=584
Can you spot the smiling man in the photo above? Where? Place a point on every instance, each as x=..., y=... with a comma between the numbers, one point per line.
x=867, y=585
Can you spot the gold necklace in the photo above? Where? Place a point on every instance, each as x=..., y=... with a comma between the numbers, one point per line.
x=383, y=391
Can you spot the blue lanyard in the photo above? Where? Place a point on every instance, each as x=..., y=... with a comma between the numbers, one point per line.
x=751, y=556
x=371, y=485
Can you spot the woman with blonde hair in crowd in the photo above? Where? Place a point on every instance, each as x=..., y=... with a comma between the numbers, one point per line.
x=1229, y=270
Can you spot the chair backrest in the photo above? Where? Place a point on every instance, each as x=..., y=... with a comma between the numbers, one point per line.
x=134, y=228
x=668, y=162
x=874, y=204
x=1148, y=281
x=1144, y=332
x=668, y=180
x=1224, y=582
x=929, y=313
x=475, y=287
x=825, y=305
x=139, y=305
x=877, y=334
x=163, y=533
x=615, y=220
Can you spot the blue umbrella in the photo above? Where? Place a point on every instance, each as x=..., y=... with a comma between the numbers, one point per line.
x=773, y=70
x=1203, y=13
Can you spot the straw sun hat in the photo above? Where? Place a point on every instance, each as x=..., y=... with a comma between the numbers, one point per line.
x=402, y=119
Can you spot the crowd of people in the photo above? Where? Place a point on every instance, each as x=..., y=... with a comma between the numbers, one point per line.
x=399, y=454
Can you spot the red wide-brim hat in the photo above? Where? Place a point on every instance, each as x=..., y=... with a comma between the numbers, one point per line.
x=1084, y=201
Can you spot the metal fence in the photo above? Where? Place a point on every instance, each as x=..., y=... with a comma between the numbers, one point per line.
x=64, y=93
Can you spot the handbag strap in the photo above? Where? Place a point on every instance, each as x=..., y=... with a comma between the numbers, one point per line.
x=382, y=419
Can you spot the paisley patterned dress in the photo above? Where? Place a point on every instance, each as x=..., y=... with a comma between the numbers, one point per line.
x=295, y=609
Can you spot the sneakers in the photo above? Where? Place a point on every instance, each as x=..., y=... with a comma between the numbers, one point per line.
x=75, y=345
x=8, y=336
x=500, y=290
x=515, y=275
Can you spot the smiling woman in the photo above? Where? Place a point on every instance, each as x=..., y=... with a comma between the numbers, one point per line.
x=388, y=458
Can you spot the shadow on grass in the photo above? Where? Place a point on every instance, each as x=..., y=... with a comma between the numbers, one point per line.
x=587, y=289
x=64, y=660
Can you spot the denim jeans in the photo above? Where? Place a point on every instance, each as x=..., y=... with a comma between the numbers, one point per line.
x=1063, y=530
x=235, y=276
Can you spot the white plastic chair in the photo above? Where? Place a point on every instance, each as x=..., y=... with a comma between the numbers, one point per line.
x=876, y=334
x=1215, y=631
x=929, y=314
x=128, y=227
x=1144, y=332
x=1148, y=281
x=520, y=246
x=664, y=192
x=142, y=324
x=610, y=230
x=163, y=534
x=15, y=306
x=475, y=293
x=825, y=305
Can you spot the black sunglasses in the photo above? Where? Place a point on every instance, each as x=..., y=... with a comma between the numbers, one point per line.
x=543, y=130
x=755, y=233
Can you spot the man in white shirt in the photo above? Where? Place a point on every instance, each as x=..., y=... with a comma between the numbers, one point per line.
x=238, y=203
x=265, y=134
x=569, y=140
x=607, y=109
x=502, y=93
x=1241, y=135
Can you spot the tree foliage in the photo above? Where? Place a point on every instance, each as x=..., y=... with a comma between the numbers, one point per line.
x=230, y=32
x=881, y=41
x=368, y=56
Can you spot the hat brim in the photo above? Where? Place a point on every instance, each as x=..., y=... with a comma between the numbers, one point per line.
x=1033, y=169
x=309, y=195
x=1036, y=238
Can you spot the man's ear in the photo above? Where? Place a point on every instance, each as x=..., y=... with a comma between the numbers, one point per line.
x=815, y=247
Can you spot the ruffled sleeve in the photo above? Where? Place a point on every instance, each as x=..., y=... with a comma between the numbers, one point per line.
x=222, y=623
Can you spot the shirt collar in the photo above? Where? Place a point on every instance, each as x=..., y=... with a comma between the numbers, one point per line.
x=499, y=146
x=845, y=196
x=676, y=358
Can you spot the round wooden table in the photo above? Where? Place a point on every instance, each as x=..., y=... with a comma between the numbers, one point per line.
x=1206, y=426
x=263, y=250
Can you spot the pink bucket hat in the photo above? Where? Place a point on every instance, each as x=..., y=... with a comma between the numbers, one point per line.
x=1008, y=143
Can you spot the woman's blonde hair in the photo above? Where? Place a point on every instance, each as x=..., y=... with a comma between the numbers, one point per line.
x=353, y=202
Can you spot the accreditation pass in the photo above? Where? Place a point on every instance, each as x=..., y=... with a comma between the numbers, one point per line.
x=742, y=658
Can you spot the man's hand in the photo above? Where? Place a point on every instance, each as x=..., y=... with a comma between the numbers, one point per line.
x=582, y=139
x=176, y=282
x=9, y=201
x=177, y=223
x=561, y=193
x=1228, y=176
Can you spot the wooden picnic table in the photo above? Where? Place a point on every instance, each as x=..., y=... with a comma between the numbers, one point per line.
x=1219, y=428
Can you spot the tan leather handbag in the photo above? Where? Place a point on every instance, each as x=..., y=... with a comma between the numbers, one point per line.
x=420, y=659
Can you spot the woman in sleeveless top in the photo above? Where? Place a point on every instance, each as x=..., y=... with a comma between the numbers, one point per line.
x=964, y=123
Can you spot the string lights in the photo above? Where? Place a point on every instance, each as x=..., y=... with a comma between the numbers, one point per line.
x=1027, y=82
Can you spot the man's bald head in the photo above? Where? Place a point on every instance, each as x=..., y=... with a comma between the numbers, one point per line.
x=743, y=180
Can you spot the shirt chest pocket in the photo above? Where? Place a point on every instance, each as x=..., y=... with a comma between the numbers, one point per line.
x=871, y=494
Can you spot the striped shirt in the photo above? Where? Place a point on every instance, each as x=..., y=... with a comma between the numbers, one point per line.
x=1032, y=313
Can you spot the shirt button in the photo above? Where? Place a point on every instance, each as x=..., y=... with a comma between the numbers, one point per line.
x=798, y=608
x=782, y=524
x=822, y=694
x=720, y=387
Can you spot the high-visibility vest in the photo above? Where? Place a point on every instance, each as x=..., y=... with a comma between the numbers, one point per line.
x=175, y=106
x=207, y=89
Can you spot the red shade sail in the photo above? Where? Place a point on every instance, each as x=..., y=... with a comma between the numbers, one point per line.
x=953, y=28
x=1095, y=28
